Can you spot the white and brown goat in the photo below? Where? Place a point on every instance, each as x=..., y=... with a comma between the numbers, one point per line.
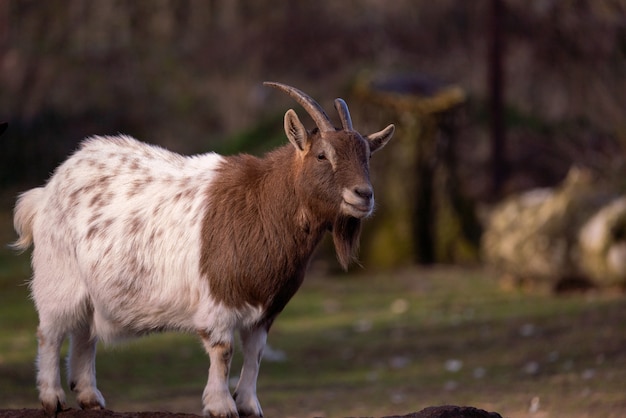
x=130, y=239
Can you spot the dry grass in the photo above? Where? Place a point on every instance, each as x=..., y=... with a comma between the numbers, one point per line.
x=376, y=344
x=369, y=344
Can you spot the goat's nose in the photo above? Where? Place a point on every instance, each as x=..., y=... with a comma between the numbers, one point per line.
x=364, y=191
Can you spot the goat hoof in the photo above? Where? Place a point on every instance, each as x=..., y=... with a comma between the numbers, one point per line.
x=91, y=406
x=90, y=399
x=219, y=404
x=51, y=409
x=247, y=405
x=249, y=414
x=217, y=413
x=227, y=415
x=221, y=414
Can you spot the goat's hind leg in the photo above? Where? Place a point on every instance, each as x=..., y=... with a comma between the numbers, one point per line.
x=81, y=368
x=51, y=393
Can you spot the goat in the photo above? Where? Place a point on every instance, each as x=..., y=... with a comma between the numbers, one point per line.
x=130, y=239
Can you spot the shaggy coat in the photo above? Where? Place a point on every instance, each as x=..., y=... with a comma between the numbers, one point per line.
x=131, y=239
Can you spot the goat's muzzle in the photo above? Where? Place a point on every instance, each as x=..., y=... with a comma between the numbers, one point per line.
x=358, y=201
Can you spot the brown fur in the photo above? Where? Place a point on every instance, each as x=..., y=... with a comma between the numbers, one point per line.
x=261, y=249
x=346, y=234
x=272, y=212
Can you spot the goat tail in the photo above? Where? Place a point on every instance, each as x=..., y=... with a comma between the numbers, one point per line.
x=24, y=217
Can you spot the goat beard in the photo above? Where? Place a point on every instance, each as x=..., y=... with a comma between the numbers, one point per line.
x=346, y=233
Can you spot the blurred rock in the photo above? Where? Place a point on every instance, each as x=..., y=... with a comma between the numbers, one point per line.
x=450, y=411
x=603, y=244
x=572, y=235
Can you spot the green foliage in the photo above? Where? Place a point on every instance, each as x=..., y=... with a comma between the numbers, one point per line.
x=260, y=138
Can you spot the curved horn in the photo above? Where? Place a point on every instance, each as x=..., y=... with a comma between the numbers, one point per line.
x=311, y=106
x=344, y=114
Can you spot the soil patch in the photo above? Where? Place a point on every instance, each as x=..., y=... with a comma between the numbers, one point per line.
x=446, y=411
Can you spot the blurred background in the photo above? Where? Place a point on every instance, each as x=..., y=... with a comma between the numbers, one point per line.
x=509, y=154
x=490, y=97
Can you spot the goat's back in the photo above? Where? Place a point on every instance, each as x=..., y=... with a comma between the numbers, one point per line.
x=119, y=223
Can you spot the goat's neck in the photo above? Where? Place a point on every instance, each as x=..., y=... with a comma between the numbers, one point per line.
x=284, y=206
x=265, y=236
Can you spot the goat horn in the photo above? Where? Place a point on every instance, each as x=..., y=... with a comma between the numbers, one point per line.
x=344, y=114
x=311, y=106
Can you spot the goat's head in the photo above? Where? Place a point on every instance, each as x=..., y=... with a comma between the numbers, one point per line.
x=333, y=168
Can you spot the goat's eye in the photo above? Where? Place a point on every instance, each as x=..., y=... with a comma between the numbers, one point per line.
x=321, y=157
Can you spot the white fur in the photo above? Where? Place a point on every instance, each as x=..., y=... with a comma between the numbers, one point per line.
x=172, y=292
x=143, y=207
x=120, y=251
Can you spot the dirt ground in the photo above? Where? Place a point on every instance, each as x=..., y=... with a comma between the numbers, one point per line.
x=447, y=411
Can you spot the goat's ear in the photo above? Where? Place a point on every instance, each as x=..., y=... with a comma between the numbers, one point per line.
x=379, y=139
x=295, y=130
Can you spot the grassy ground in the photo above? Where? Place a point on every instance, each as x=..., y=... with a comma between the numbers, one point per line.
x=369, y=345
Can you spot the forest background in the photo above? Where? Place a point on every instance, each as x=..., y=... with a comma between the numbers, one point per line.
x=187, y=75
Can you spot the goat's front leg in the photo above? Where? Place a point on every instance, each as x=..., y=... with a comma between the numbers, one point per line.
x=253, y=341
x=216, y=399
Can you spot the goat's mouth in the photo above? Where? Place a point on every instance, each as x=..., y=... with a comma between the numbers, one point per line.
x=357, y=206
x=356, y=211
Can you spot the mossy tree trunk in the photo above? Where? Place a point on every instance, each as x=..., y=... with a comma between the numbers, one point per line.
x=423, y=216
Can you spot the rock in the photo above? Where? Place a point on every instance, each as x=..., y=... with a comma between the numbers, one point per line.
x=574, y=233
x=450, y=411
x=602, y=241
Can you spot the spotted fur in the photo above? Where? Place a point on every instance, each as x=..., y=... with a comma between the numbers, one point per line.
x=130, y=239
